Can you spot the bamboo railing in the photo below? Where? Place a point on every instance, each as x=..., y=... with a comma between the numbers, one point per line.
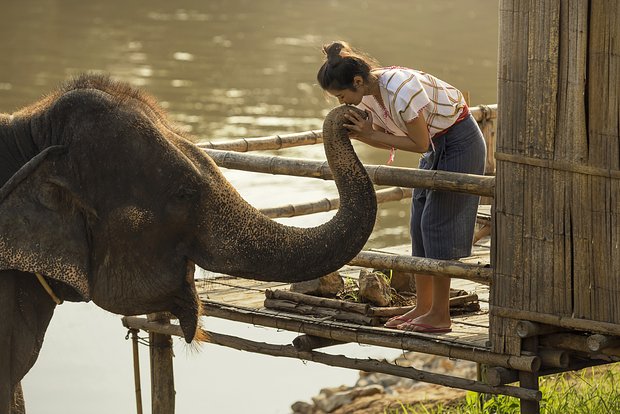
x=481, y=113
x=290, y=351
x=379, y=174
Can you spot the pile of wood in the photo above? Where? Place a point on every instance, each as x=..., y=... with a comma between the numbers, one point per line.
x=360, y=313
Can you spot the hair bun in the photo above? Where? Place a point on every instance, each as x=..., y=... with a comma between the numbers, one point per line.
x=332, y=50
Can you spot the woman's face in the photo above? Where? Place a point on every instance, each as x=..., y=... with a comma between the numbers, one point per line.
x=347, y=96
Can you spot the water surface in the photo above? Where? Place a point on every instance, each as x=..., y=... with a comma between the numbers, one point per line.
x=225, y=69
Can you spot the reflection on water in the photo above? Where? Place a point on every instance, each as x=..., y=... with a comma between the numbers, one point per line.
x=229, y=69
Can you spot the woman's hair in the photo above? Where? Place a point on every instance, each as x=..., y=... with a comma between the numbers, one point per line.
x=342, y=64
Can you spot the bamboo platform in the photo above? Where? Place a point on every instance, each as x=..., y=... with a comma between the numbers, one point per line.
x=243, y=300
x=234, y=298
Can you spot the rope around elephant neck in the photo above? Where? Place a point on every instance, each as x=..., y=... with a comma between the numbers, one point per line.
x=48, y=289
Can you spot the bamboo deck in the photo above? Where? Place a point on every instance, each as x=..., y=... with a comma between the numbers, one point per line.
x=244, y=299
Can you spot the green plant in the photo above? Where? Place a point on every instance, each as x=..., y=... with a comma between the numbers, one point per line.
x=590, y=391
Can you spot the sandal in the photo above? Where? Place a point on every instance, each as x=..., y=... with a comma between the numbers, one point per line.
x=400, y=319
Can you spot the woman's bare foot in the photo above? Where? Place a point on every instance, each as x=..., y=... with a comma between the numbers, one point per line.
x=428, y=322
x=404, y=318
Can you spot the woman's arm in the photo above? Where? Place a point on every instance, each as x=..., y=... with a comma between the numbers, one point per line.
x=416, y=140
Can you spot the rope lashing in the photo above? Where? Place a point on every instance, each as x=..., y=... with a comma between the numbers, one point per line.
x=48, y=289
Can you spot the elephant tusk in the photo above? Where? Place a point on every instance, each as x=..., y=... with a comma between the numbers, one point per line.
x=48, y=289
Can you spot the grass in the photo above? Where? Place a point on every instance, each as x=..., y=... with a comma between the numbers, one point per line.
x=589, y=391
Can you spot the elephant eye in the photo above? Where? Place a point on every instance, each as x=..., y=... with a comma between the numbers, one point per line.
x=185, y=194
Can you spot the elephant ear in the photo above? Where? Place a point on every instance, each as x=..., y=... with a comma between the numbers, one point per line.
x=43, y=222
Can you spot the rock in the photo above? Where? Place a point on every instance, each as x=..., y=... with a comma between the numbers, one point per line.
x=403, y=281
x=301, y=407
x=326, y=286
x=338, y=399
x=374, y=288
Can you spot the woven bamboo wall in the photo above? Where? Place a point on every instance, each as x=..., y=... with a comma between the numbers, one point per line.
x=557, y=230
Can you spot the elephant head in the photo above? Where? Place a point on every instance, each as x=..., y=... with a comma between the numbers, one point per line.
x=118, y=207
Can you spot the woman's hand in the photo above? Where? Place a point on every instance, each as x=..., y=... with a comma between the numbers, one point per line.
x=359, y=127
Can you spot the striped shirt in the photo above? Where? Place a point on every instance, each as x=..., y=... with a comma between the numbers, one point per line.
x=406, y=92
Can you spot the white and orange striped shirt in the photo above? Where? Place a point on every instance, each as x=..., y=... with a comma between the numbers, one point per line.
x=406, y=92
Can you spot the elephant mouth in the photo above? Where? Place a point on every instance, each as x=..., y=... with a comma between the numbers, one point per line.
x=187, y=304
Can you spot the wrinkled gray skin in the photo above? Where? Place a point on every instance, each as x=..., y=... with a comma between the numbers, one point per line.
x=101, y=196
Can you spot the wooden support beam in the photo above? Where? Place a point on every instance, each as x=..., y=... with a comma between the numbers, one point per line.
x=390, y=338
x=554, y=358
x=304, y=343
x=586, y=325
x=451, y=268
x=162, y=372
x=500, y=376
x=385, y=367
x=569, y=341
x=526, y=329
x=598, y=342
x=379, y=174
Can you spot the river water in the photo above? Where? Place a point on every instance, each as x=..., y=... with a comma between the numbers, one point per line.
x=226, y=69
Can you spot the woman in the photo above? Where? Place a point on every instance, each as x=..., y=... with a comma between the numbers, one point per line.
x=413, y=111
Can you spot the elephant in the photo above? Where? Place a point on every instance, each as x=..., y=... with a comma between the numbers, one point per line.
x=104, y=199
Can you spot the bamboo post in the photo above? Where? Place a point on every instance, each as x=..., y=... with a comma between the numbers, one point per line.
x=529, y=380
x=162, y=372
x=370, y=365
x=136, y=370
x=379, y=174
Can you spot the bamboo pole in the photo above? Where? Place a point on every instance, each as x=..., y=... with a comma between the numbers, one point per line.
x=379, y=174
x=162, y=372
x=335, y=314
x=555, y=358
x=527, y=329
x=571, y=342
x=350, y=333
x=274, y=142
x=385, y=367
x=587, y=325
x=328, y=204
x=499, y=376
x=308, y=342
x=360, y=308
x=481, y=113
x=452, y=268
x=598, y=342
x=136, y=370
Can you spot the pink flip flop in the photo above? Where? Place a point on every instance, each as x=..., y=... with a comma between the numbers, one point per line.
x=400, y=319
x=422, y=328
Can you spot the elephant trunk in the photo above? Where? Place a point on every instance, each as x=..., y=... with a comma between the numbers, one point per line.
x=238, y=240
